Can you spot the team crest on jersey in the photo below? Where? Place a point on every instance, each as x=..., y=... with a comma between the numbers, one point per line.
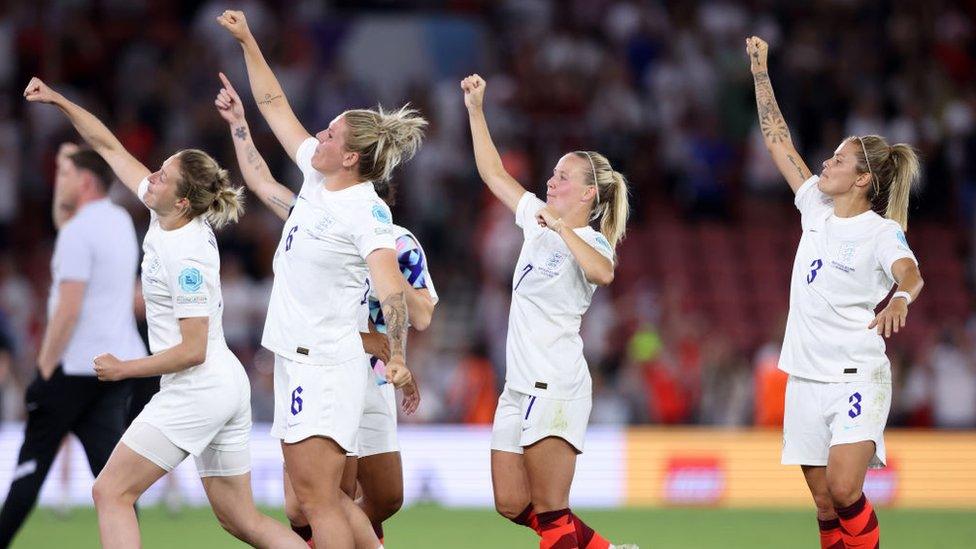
x=324, y=224
x=153, y=266
x=190, y=279
x=844, y=260
x=603, y=243
x=551, y=266
x=381, y=215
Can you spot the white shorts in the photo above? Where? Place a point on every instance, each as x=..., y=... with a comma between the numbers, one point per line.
x=203, y=410
x=378, y=428
x=150, y=443
x=522, y=420
x=320, y=400
x=820, y=415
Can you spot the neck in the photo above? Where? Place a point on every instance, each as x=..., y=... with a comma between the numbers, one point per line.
x=577, y=218
x=86, y=199
x=849, y=206
x=172, y=220
x=340, y=180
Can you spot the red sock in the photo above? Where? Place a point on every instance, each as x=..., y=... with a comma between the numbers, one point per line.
x=587, y=537
x=305, y=532
x=830, y=536
x=859, y=525
x=557, y=530
x=528, y=519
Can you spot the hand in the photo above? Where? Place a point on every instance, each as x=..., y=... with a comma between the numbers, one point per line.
x=235, y=23
x=229, y=103
x=376, y=344
x=39, y=92
x=757, y=48
x=545, y=218
x=891, y=318
x=474, y=91
x=411, y=397
x=397, y=372
x=109, y=368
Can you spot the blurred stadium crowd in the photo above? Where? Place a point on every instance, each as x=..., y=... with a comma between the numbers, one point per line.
x=689, y=331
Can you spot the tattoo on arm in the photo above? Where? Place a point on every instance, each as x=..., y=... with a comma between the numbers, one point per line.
x=395, y=312
x=253, y=156
x=801, y=170
x=280, y=203
x=241, y=133
x=771, y=120
x=268, y=99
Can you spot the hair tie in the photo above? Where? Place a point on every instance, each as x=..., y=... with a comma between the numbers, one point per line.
x=874, y=179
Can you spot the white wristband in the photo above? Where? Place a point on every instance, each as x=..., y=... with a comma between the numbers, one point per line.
x=906, y=295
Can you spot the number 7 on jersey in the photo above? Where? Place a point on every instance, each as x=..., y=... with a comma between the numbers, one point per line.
x=525, y=271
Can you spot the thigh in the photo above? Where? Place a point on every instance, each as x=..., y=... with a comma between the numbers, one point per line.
x=128, y=473
x=349, y=473
x=848, y=464
x=315, y=467
x=381, y=476
x=550, y=464
x=509, y=482
x=229, y=496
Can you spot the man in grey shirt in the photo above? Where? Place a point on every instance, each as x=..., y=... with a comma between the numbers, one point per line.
x=90, y=311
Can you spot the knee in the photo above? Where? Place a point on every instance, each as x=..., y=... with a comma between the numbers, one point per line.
x=388, y=505
x=509, y=508
x=825, y=505
x=843, y=492
x=293, y=510
x=228, y=523
x=104, y=492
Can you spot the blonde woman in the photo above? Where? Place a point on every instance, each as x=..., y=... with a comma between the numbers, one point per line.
x=541, y=419
x=852, y=252
x=203, y=406
x=338, y=233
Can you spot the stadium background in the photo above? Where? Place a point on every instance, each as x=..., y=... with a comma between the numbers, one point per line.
x=682, y=346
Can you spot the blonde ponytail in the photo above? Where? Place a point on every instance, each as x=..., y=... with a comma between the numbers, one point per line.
x=895, y=171
x=227, y=207
x=383, y=140
x=611, y=205
x=207, y=188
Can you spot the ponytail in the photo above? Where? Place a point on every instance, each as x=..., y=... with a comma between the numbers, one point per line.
x=207, y=187
x=894, y=170
x=383, y=140
x=611, y=206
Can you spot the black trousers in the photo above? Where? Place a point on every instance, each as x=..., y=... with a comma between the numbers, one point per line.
x=95, y=411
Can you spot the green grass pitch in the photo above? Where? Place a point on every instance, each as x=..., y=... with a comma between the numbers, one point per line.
x=430, y=526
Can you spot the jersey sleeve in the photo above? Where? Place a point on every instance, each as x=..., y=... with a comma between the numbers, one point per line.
x=303, y=157
x=891, y=245
x=413, y=264
x=601, y=244
x=373, y=228
x=810, y=201
x=142, y=190
x=525, y=212
x=195, y=284
x=74, y=253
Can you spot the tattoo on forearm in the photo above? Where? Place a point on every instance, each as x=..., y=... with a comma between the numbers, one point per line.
x=395, y=312
x=268, y=99
x=241, y=133
x=253, y=156
x=801, y=170
x=280, y=203
x=771, y=119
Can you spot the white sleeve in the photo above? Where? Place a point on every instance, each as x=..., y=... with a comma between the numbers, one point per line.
x=600, y=243
x=373, y=229
x=194, y=285
x=810, y=201
x=142, y=190
x=74, y=253
x=891, y=245
x=525, y=212
x=303, y=157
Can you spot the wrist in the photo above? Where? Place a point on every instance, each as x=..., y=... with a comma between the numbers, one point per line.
x=902, y=295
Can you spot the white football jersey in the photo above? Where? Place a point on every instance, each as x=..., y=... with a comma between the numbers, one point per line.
x=320, y=268
x=181, y=279
x=841, y=272
x=550, y=293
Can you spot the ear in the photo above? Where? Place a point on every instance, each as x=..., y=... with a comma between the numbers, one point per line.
x=863, y=180
x=183, y=204
x=350, y=159
x=590, y=193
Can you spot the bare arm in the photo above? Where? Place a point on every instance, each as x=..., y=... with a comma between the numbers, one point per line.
x=420, y=304
x=486, y=156
x=776, y=134
x=61, y=325
x=257, y=176
x=385, y=274
x=895, y=314
x=265, y=88
x=191, y=351
x=129, y=170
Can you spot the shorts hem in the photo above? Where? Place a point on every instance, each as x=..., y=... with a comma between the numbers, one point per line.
x=225, y=473
x=508, y=448
x=376, y=452
x=804, y=462
x=157, y=461
x=529, y=441
x=294, y=437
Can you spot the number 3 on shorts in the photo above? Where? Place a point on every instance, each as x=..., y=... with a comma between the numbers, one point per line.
x=855, y=402
x=296, y=401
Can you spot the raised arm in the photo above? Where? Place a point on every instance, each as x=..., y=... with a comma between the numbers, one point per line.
x=129, y=170
x=265, y=87
x=257, y=176
x=386, y=276
x=776, y=134
x=489, y=163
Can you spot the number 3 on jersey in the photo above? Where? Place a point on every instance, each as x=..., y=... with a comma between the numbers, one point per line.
x=525, y=271
x=814, y=266
x=291, y=235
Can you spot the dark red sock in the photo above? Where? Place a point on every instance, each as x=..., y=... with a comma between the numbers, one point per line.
x=859, y=525
x=557, y=530
x=304, y=531
x=528, y=519
x=587, y=537
x=830, y=535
